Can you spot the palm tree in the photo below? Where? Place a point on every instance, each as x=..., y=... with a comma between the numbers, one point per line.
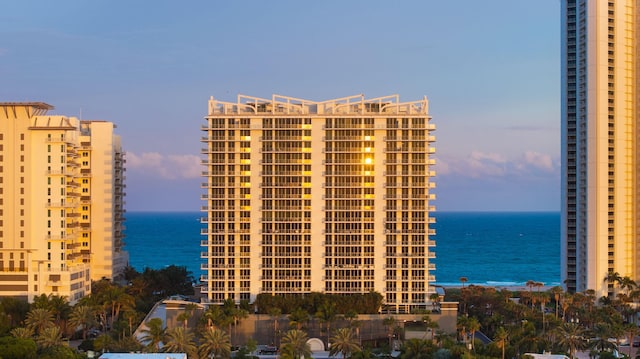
x=327, y=314
x=417, y=349
x=294, y=344
x=179, y=340
x=298, y=318
x=365, y=353
x=463, y=280
x=22, y=332
x=187, y=314
x=556, y=292
x=602, y=332
x=530, y=284
x=435, y=302
x=473, y=325
x=153, y=335
x=431, y=324
x=49, y=337
x=462, y=324
x=83, y=317
x=631, y=330
x=501, y=339
x=58, y=305
x=344, y=342
x=39, y=319
x=215, y=317
x=613, y=278
x=215, y=342
x=389, y=323
x=132, y=315
x=571, y=337
x=103, y=343
x=275, y=313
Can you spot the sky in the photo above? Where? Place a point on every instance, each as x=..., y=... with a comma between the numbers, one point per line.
x=490, y=69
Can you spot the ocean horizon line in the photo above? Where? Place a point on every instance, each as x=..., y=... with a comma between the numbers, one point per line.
x=496, y=284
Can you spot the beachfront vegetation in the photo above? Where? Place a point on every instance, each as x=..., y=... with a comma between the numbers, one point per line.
x=492, y=323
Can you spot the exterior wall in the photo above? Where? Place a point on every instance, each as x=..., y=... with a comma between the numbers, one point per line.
x=263, y=329
x=105, y=164
x=599, y=229
x=329, y=197
x=45, y=228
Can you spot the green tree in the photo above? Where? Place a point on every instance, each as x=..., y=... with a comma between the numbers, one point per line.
x=556, y=292
x=365, y=353
x=294, y=344
x=430, y=324
x=571, y=338
x=127, y=344
x=298, y=318
x=39, y=319
x=22, y=332
x=83, y=317
x=389, y=323
x=602, y=333
x=49, y=337
x=216, y=317
x=180, y=340
x=344, y=342
x=59, y=352
x=327, y=314
x=275, y=312
x=57, y=305
x=631, y=330
x=473, y=325
x=153, y=334
x=104, y=342
x=417, y=349
x=188, y=312
x=215, y=342
x=18, y=348
x=501, y=339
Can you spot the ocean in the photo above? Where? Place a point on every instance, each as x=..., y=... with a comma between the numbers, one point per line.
x=488, y=248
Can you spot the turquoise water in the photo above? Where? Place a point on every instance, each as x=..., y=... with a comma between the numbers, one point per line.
x=488, y=248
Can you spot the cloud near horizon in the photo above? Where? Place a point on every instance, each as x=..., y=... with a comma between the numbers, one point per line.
x=166, y=166
x=479, y=164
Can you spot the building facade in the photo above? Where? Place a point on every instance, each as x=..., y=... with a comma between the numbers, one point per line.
x=599, y=143
x=332, y=197
x=61, y=203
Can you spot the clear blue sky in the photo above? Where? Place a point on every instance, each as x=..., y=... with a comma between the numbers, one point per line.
x=489, y=68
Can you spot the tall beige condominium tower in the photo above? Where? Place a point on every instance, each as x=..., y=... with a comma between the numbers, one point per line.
x=600, y=216
x=332, y=197
x=61, y=202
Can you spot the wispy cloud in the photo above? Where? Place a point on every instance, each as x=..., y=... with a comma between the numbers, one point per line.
x=165, y=166
x=479, y=164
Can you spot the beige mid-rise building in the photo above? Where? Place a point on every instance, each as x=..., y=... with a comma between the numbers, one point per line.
x=332, y=197
x=61, y=202
x=600, y=208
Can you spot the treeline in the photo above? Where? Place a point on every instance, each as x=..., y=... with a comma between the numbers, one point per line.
x=369, y=303
x=152, y=285
x=105, y=320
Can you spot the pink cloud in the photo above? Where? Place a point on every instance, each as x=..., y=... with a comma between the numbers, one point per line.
x=165, y=166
